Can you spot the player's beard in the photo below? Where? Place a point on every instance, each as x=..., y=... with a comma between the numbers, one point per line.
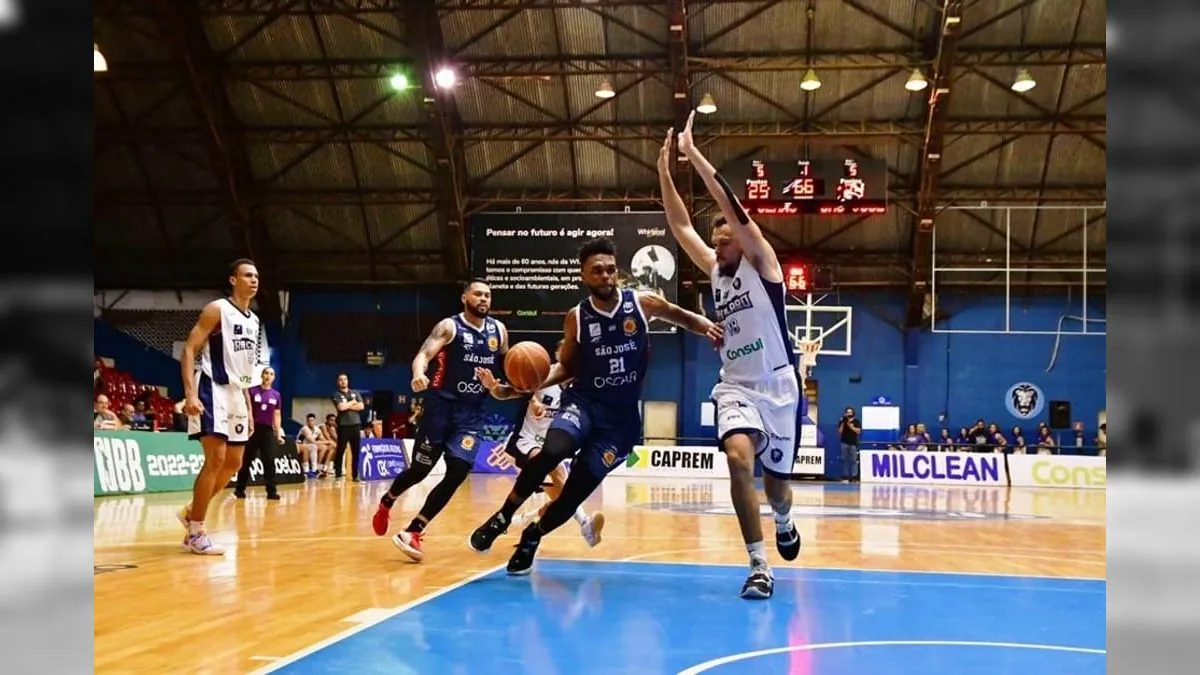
x=605, y=292
x=477, y=313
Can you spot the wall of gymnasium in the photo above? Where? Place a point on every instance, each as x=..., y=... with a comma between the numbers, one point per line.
x=927, y=374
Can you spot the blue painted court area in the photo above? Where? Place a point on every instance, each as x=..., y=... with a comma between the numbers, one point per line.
x=594, y=618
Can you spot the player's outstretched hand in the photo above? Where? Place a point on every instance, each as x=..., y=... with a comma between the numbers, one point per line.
x=716, y=335
x=193, y=406
x=487, y=379
x=687, y=144
x=664, y=154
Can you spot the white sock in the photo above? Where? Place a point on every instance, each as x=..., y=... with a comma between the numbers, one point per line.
x=581, y=517
x=195, y=526
x=758, y=554
x=783, y=521
x=312, y=459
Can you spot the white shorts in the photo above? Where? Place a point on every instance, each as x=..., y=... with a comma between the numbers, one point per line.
x=225, y=415
x=768, y=410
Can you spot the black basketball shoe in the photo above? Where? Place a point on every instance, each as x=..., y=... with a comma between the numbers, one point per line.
x=482, y=538
x=788, y=543
x=521, y=561
x=760, y=585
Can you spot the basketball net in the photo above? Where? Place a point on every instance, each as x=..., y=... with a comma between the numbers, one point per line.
x=808, y=358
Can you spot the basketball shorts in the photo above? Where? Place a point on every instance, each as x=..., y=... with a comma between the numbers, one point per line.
x=605, y=434
x=450, y=427
x=226, y=414
x=769, y=412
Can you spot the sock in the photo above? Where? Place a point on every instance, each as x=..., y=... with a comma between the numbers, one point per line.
x=509, y=510
x=783, y=522
x=758, y=554
x=195, y=526
x=580, y=516
x=417, y=525
x=388, y=501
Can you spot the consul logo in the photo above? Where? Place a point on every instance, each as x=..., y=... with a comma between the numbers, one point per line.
x=744, y=350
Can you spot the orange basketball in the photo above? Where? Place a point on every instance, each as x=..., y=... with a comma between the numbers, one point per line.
x=526, y=365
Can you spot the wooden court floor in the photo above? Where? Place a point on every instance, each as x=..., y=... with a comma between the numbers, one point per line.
x=304, y=568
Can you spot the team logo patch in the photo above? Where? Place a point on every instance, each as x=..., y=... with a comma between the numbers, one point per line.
x=468, y=442
x=493, y=343
x=239, y=428
x=609, y=458
x=737, y=283
x=630, y=326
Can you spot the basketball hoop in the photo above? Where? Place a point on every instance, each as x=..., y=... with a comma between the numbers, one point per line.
x=809, y=349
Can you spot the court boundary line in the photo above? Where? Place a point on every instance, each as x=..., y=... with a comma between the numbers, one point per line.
x=386, y=616
x=746, y=656
x=831, y=569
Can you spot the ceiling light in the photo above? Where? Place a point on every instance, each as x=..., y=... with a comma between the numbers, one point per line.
x=605, y=90
x=810, y=82
x=445, y=78
x=916, y=81
x=1024, y=81
x=399, y=81
x=707, y=105
x=99, y=63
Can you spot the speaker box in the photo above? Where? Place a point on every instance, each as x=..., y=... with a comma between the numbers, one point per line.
x=1060, y=414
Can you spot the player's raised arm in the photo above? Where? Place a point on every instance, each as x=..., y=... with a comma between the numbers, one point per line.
x=210, y=318
x=439, y=337
x=656, y=307
x=749, y=236
x=677, y=215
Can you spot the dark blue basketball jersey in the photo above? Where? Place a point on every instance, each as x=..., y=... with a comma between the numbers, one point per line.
x=613, y=353
x=454, y=368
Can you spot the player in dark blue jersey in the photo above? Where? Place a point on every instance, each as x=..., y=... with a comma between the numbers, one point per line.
x=452, y=421
x=605, y=353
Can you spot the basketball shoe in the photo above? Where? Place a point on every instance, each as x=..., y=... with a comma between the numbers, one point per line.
x=787, y=542
x=409, y=543
x=521, y=562
x=760, y=585
x=485, y=535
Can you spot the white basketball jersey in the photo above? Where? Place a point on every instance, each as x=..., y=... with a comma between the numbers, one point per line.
x=756, y=335
x=533, y=429
x=231, y=354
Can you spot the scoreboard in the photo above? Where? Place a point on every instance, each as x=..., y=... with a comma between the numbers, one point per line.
x=825, y=187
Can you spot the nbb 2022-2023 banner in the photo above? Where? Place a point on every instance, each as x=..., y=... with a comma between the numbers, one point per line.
x=531, y=261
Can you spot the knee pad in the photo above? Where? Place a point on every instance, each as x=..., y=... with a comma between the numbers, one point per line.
x=559, y=445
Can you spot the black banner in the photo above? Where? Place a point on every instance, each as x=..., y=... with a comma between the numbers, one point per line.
x=531, y=261
x=288, y=469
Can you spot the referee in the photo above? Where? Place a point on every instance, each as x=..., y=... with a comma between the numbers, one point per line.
x=266, y=409
x=349, y=426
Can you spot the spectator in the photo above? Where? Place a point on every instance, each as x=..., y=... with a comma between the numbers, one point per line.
x=849, y=431
x=103, y=417
x=1018, y=441
x=946, y=442
x=1046, y=441
x=309, y=445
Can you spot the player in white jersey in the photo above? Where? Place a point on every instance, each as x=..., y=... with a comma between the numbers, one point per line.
x=757, y=397
x=526, y=442
x=216, y=395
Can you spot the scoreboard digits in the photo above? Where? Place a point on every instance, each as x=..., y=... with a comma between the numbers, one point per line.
x=849, y=186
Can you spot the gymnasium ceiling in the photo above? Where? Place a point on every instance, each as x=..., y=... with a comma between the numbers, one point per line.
x=269, y=127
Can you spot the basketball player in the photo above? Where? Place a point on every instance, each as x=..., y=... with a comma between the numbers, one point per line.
x=758, y=393
x=606, y=350
x=452, y=421
x=526, y=442
x=217, y=395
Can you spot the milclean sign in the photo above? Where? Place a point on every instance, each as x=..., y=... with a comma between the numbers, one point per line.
x=932, y=467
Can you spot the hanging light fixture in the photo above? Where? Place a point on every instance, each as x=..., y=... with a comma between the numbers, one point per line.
x=1024, y=81
x=916, y=81
x=605, y=90
x=99, y=63
x=708, y=105
x=810, y=82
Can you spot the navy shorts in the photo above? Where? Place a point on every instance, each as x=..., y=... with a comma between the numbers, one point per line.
x=604, y=434
x=450, y=426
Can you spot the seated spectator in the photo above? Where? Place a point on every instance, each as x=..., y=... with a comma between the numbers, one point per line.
x=946, y=442
x=309, y=447
x=979, y=436
x=999, y=442
x=926, y=438
x=963, y=439
x=911, y=439
x=103, y=417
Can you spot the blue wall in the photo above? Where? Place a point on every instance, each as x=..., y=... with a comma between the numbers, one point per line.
x=927, y=374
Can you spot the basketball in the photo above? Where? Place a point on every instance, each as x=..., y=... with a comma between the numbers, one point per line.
x=526, y=365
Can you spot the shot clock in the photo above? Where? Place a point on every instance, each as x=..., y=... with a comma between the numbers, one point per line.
x=820, y=187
